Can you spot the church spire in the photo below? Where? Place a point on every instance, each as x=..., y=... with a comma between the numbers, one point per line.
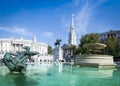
x=72, y=34
x=72, y=25
x=34, y=39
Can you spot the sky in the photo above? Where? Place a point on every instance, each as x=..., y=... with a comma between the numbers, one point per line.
x=49, y=20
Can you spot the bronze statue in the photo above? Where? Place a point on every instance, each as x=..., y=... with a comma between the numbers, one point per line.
x=17, y=62
x=57, y=43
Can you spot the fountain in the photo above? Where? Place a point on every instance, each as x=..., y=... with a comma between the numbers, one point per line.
x=59, y=74
x=16, y=62
x=95, y=60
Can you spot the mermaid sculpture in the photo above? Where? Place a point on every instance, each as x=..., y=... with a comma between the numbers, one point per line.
x=17, y=62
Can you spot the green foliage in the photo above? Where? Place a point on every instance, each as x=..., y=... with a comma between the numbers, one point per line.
x=77, y=51
x=111, y=42
x=49, y=49
x=72, y=49
x=88, y=38
x=112, y=46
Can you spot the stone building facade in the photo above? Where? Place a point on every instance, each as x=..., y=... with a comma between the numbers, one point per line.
x=105, y=35
x=14, y=45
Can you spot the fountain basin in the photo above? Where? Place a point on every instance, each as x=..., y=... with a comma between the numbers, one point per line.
x=95, y=46
x=59, y=74
x=98, y=61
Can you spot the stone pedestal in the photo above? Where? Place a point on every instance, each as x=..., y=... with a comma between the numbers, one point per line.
x=99, y=61
x=58, y=54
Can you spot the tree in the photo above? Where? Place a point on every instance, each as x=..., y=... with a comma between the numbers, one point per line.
x=77, y=51
x=88, y=38
x=49, y=49
x=112, y=46
x=72, y=49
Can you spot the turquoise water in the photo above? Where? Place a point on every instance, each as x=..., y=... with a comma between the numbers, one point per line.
x=59, y=74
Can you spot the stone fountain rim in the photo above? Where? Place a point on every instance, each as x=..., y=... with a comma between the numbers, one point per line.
x=95, y=46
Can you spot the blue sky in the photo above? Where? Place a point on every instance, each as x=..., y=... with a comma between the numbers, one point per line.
x=51, y=19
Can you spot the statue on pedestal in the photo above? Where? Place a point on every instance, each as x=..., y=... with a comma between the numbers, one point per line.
x=57, y=43
x=57, y=51
x=16, y=62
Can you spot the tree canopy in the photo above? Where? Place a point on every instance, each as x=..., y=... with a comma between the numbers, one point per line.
x=111, y=42
x=112, y=46
x=88, y=38
x=49, y=49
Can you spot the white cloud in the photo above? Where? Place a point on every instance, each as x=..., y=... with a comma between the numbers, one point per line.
x=16, y=30
x=47, y=34
x=82, y=19
x=85, y=15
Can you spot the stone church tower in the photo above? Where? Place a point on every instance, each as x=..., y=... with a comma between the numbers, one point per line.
x=34, y=39
x=72, y=34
